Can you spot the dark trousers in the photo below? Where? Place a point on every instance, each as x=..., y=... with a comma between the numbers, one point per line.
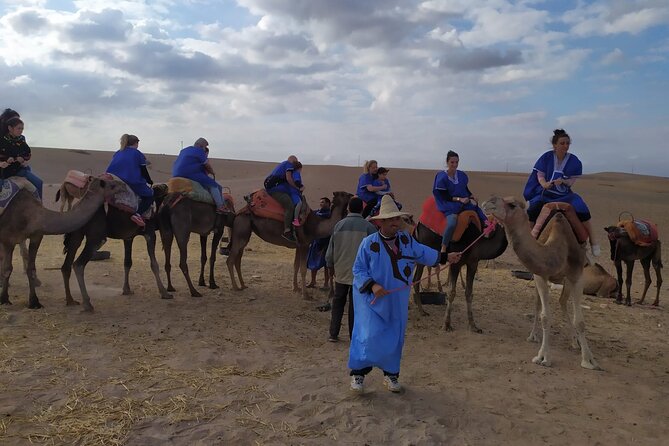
x=369, y=206
x=341, y=293
x=288, y=209
x=366, y=370
x=144, y=204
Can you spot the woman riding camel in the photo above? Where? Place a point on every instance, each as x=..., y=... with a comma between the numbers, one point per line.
x=14, y=151
x=129, y=164
x=452, y=195
x=366, y=189
x=554, y=173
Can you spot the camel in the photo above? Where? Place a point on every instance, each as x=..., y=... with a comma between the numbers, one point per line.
x=623, y=249
x=270, y=230
x=485, y=248
x=556, y=256
x=69, y=192
x=179, y=216
x=114, y=224
x=26, y=218
x=598, y=282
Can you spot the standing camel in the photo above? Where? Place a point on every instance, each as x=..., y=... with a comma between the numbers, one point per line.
x=179, y=216
x=555, y=256
x=484, y=249
x=271, y=231
x=115, y=224
x=623, y=249
x=26, y=218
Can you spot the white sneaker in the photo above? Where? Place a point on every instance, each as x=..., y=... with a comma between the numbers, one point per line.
x=596, y=250
x=357, y=383
x=392, y=384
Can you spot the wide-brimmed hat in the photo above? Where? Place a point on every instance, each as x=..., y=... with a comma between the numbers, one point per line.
x=388, y=209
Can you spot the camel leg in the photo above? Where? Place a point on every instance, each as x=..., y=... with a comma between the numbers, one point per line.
x=203, y=258
x=79, y=272
x=7, y=253
x=453, y=273
x=645, y=264
x=564, y=299
x=416, y=289
x=429, y=277
x=127, y=264
x=587, y=359
x=296, y=268
x=182, y=242
x=543, y=357
x=166, y=237
x=240, y=235
x=73, y=241
x=303, y=253
x=24, y=255
x=619, y=272
x=440, y=287
x=628, y=282
x=33, y=247
x=215, y=240
x=469, y=291
x=150, y=237
x=658, y=278
x=534, y=334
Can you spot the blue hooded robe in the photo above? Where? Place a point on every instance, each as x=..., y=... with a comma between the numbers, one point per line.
x=127, y=165
x=378, y=329
x=190, y=164
x=445, y=189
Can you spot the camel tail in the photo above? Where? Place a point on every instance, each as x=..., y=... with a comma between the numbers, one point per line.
x=57, y=196
x=657, y=257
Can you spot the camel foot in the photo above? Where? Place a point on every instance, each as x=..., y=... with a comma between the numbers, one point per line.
x=201, y=283
x=213, y=286
x=533, y=338
x=447, y=327
x=590, y=365
x=167, y=296
x=628, y=302
x=127, y=292
x=656, y=303
x=541, y=360
x=5, y=302
x=475, y=329
x=194, y=293
x=71, y=303
x=88, y=309
x=170, y=288
x=35, y=305
x=619, y=301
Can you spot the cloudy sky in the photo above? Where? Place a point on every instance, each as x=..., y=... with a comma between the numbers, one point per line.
x=337, y=81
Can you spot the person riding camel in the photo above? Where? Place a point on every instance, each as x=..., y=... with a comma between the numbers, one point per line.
x=281, y=186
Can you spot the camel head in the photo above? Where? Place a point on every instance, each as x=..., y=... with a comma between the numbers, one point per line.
x=340, y=200
x=106, y=186
x=615, y=232
x=506, y=210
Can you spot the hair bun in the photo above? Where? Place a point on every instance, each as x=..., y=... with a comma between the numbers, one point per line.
x=558, y=132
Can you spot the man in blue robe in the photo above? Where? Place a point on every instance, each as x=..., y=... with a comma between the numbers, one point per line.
x=382, y=276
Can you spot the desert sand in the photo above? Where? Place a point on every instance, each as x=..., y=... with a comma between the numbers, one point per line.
x=255, y=367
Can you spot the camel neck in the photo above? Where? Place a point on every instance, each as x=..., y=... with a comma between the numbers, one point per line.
x=64, y=222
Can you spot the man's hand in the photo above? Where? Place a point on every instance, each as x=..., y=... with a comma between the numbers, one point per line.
x=547, y=184
x=454, y=257
x=378, y=291
x=558, y=182
x=464, y=200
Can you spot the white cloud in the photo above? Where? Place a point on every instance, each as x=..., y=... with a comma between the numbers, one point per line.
x=18, y=81
x=615, y=56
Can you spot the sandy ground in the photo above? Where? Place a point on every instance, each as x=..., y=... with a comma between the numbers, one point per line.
x=254, y=367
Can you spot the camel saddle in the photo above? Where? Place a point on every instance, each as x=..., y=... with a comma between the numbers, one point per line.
x=550, y=209
x=77, y=179
x=262, y=204
x=641, y=232
x=12, y=186
x=433, y=219
x=195, y=191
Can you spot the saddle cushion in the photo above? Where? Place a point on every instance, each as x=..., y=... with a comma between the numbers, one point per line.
x=550, y=209
x=125, y=199
x=263, y=205
x=641, y=232
x=12, y=186
x=435, y=220
x=77, y=178
x=191, y=189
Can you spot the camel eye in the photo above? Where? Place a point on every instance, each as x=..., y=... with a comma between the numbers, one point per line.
x=512, y=205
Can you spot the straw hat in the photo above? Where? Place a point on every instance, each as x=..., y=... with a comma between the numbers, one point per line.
x=388, y=209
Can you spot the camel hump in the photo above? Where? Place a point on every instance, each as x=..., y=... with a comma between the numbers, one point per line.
x=641, y=232
x=263, y=205
x=465, y=218
x=190, y=188
x=77, y=178
x=550, y=210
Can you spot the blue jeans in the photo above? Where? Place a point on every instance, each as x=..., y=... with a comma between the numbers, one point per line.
x=27, y=173
x=451, y=223
x=217, y=195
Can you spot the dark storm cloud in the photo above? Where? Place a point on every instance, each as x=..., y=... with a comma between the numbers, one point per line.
x=479, y=59
x=108, y=25
x=28, y=22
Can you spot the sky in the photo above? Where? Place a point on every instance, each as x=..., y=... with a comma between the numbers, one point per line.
x=342, y=81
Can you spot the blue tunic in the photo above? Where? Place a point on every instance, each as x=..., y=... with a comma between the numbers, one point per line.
x=378, y=182
x=127, y=165
x=445, y=189
x=190, y=164
x=366, y=179
x=570, y=167
x=378, y=329
x=278, y=182
x=316, y=257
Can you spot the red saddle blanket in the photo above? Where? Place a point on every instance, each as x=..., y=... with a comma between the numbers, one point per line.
x=550, y=209
x=77, y=178
x=435, y=221
x=641, y=232
x=263, y=205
